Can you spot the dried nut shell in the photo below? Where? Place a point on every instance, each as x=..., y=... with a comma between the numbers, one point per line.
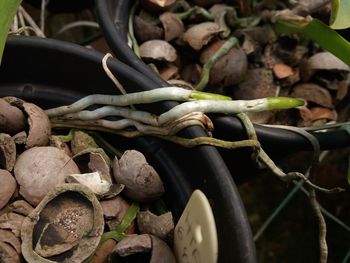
x=159, y=226
x=258, y=83
x=56, y=142
x=191, y=73
x=157, y=5
x=93, y=181
x=133, y=244
x=82, y=141
x=319, y=113
x=313, y=93
x=171, y=72
x=39, y=126
x=7, y=187
x=39, y=169
x=67, y=224
x=322, y=61
x=230, y=69
x=7, y=152
x=20, y=138
x=9, y=238
x=21, y=207
x=8, y=254
x=94, y=160
x=103, y=251
x=282, y=71
x=159, y=50
x=142, y=182
x=12, y=119
x=145, y=31
x=173, y=26
x=13, y=222
x=114, y=211
x=161, y=252
x=309, y=116
x=199, y=35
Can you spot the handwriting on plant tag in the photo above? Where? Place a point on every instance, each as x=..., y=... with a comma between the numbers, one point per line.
x=195, y=237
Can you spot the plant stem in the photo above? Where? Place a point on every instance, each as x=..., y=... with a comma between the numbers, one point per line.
x=211, y=62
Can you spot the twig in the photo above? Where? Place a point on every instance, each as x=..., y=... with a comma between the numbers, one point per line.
x=22, y=23
x=31, y=22
x=110, y=74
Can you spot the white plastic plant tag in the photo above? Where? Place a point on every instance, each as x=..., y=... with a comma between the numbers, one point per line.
x=195, y=237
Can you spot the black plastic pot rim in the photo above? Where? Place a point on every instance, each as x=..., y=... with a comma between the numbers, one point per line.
x=226, y=127
x=46, y=69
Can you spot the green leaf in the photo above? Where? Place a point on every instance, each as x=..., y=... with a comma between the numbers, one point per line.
x=320, y=33
x=8, y=10
x=340, y=15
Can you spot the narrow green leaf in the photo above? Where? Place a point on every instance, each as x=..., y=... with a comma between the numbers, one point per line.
x=320, y=33
x=340, y=15
x=8, y=10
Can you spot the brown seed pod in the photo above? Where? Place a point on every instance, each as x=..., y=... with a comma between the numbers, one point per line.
x=142, y=182
x=313, y=93
x=39, y=169
x=7, y=187
x=7, y=152
x=199, y=35
x=158, y=50
x=173, y=26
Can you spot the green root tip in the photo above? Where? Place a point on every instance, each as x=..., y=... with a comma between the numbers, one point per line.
x=283, y=103
x=200, y=95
